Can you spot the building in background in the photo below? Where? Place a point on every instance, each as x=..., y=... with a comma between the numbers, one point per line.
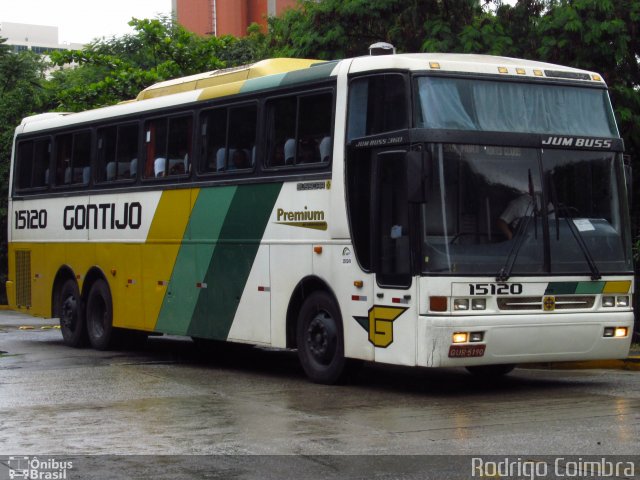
x=41, y=39
x=226, y=17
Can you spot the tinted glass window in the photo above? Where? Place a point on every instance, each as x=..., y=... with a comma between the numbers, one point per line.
x=377, y=104
x=73, y=158
x=168, y=147
x=229, y=139
x=299, y=129
x=117, y=152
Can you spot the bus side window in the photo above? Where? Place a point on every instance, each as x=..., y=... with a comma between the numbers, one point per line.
x=24, y=165
x=214, y=133
x=73, y=158
x=281, y=121
x=156, y=147
x=377, y=104
x=299, y=129
x=314, y=127
x=242, y=137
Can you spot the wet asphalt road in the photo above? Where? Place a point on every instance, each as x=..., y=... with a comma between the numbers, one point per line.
x=167, y=398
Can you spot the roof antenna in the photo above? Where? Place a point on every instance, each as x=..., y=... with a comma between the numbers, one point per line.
x=382, y=48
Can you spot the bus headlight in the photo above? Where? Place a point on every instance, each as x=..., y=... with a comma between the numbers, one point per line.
x=622, y=301
x=479, y=304
x=608, y=301
x=461, y=304
x=460, y=337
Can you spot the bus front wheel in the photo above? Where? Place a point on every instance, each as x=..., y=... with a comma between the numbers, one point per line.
x=69, y=310
x=100, y=315
x=320, y=340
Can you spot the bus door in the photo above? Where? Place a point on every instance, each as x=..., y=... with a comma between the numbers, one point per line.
x=395, y=293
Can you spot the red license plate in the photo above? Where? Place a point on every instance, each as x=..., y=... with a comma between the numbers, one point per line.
x=466, y=351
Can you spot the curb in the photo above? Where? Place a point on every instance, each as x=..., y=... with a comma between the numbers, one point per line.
x=631, y=363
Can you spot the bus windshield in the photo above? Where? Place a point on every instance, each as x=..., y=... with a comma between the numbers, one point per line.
x=502, y=106
x=543, y=211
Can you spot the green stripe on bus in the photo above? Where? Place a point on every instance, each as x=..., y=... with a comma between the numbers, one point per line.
x=590, y=288
x=232, y=260
x=574, y=288
x=561, y=288
x=205, y=223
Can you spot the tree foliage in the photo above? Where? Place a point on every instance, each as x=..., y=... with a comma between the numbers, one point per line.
x=115, y=69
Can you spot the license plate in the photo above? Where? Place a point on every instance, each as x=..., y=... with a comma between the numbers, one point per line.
x=466, y=351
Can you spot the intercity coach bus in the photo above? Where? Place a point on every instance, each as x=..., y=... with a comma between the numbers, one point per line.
x=432, y=210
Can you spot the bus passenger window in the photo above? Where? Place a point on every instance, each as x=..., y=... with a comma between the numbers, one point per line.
x=23, y=165
x=281, y=121
x=168, y=146
x=214, y=132
x=73, y=158
x=32, y=164
x=229, y=138
x=300, y=129
x=242, y=137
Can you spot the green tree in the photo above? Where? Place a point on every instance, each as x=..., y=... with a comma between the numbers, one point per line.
x=111, y=70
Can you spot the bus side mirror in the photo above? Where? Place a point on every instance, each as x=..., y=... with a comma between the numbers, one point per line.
x=417, y=175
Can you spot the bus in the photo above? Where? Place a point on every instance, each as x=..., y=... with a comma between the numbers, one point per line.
x=426, y=210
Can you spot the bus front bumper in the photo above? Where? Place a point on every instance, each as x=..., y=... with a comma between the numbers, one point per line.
x=517, y=339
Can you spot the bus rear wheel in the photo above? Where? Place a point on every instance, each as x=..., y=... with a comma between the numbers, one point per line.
x=100, y=316
x=70, y=312
x=320, y=340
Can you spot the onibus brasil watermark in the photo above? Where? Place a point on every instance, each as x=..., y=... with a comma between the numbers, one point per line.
x=557, y=467
x=38, y=468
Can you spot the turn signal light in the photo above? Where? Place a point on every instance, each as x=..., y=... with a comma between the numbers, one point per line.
x=438, y=304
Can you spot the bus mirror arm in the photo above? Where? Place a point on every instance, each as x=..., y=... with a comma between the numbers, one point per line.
x=417, y=176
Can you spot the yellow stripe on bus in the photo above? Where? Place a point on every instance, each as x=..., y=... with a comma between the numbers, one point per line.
x=161, y=249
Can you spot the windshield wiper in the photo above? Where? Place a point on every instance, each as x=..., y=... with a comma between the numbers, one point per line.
x=595, y=273
x=561, y=208
x=505, y=272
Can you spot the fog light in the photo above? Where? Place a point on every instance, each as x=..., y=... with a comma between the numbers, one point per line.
x=461, y=304
x=622, y=301
x=608, y=331
x=608, y=301
x=438, y=304
x=479, y=304
x=620, y=332
x=476, y=336
x=460, y=337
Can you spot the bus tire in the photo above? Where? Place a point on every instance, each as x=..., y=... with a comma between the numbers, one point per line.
x=71, y=314
x=320, y=339
x=491, y=371
x=100, y=316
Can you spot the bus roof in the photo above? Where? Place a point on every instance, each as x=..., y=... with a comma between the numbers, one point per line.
x=278, y=72
x=472, y=63
x=230, y=75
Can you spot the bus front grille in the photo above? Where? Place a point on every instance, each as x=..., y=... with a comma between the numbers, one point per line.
x=23, y=278
x=568, y=302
